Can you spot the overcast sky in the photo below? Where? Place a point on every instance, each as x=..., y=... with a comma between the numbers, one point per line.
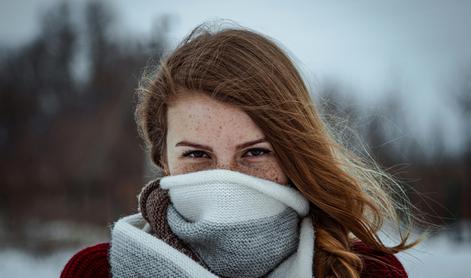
x=371, y=46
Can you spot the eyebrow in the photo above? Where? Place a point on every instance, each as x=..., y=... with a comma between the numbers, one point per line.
x=240, y=146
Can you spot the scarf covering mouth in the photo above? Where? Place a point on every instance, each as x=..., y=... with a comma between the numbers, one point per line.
x=215, y=223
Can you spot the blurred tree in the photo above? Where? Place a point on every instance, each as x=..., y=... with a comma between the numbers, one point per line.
x=462, y=98
x=69, y=146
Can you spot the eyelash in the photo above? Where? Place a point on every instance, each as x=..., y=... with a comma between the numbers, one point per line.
x=187, y=153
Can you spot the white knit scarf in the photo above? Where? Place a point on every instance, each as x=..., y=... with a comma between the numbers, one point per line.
x=239, y=226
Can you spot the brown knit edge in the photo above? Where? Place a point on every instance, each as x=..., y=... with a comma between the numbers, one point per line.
x=144, y=194
x=170, y=238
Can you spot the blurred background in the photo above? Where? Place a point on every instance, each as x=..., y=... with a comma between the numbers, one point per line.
x=398, y=73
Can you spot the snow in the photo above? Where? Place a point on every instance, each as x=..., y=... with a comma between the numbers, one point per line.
x=436, y=257
x=19, y=263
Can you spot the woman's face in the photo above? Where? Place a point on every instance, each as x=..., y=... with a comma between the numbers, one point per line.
x=204, y=133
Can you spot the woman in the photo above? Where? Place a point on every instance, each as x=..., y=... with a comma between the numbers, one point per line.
x=254, y=183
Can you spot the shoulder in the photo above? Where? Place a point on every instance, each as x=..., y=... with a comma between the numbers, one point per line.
x=88, y=262
x=378, y=264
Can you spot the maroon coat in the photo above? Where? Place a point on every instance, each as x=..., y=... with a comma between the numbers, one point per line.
x=93, y=262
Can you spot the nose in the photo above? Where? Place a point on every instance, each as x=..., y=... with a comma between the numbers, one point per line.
x=227, y=167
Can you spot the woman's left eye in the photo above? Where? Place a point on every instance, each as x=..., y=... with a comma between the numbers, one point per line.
x=258, y=152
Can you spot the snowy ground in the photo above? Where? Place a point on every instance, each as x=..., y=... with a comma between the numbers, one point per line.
x=437, y=257
x=16, y=263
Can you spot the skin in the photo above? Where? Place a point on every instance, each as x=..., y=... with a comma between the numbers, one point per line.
x=199, y=119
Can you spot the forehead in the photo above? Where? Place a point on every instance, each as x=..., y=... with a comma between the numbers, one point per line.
x=197, y=116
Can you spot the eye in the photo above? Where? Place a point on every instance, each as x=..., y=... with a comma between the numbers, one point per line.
x=258, y=152
x=194, y=154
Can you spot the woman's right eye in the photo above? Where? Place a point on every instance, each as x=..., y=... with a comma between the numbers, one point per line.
x=194, y=154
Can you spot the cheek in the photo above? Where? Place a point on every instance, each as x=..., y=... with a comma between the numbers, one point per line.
x=269, y=171
x=188, y=168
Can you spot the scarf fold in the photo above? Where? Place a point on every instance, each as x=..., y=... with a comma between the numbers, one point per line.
x=215, y=223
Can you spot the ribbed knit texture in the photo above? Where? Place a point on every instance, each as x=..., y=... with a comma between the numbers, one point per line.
x=153, y=204
x=236, y=225
x=148, y=239
x=89, y=262
x=92, y=262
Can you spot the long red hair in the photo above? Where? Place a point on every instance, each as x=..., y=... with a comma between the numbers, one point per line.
x=350, y=196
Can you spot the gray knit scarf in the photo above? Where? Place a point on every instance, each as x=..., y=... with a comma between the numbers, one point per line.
x=215, y=223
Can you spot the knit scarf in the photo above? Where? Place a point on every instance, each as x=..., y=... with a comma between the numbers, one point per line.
x=215, y=223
